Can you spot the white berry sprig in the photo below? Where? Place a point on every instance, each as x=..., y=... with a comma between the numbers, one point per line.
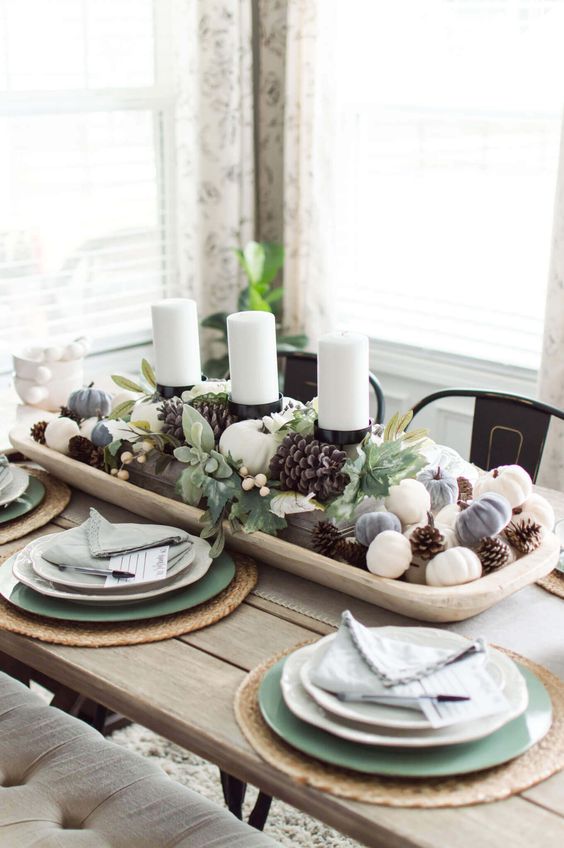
x=250, y=482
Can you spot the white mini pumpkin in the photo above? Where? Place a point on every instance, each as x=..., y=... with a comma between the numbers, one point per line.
x=247, y=442
x=148, y=411
x=87, y=426
x=123, y=397
x=58, y=432
x=537, y=509
x=409, y=500
x=389, y=554
x=447, y=515
x=453, y=567
x=511, y=481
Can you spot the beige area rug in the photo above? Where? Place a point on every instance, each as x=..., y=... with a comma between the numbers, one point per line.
x=285, y=824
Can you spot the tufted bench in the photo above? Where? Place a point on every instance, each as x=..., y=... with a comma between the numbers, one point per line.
x=62, y=784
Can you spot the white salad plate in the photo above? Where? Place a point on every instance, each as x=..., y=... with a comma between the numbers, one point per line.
x=503, y=671
x=92, y=583
x=22, y=570
x=16, y=487
x=304, y=707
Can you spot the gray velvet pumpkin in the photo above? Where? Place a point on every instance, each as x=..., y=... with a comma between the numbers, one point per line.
x=90, y=402
x=443, y=488
x=371, y=524
x=100, y=435
x=486, y=516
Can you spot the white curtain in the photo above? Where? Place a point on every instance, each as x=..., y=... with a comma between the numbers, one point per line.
x=309, y=232
x=551, y=377
x=214, y=146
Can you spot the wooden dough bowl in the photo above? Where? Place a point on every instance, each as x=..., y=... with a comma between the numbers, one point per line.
x=425, y=603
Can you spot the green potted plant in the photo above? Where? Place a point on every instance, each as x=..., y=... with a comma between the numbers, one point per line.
x=261, y=262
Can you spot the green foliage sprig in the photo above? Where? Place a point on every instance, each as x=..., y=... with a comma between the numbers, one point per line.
x=379, y=465
x=148, y=391
x=261, y=262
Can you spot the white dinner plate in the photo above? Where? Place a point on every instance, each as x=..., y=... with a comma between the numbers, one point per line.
x=23, y=571
x=16, y=487
x=500, y=667
x=304, y=707
x=92, y=583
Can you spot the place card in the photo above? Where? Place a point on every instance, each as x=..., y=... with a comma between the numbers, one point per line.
x=147, y=566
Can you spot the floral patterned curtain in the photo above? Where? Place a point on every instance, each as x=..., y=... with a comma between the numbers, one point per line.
x=551, y=376
x=309, y=232
x=214, y=146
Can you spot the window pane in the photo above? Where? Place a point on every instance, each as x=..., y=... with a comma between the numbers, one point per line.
x=50, y=45
x=82, y=245
x=449, y=124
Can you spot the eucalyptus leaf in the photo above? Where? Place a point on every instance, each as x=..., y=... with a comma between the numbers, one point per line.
x=141, y=425
x=148, y=373
x=129, y=385
x=122, y=410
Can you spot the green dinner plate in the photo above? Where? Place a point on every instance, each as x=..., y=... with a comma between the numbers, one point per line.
x=499, y=747
x=31, y=498
x=218, y=577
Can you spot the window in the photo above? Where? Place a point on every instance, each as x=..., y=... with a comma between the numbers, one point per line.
x=446, y=160
x=85, y=120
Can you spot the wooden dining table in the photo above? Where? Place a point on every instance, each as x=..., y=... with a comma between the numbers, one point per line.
x=184, y=688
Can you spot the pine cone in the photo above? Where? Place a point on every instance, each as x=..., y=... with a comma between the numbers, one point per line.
x=324, y=538
x=351, y=551
x=37, y=432
x=465, y=489
x=427, y=541
x=494, y=553
x=97, y=457
x=82, y=449
x=217, y=415
x=170, y=413
x=524, y=536
x=66, y=412
x=304, y=464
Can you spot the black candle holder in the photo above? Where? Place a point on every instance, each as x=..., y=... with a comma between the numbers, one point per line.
x=341, y=437
x=168, y=392
x=254, y=410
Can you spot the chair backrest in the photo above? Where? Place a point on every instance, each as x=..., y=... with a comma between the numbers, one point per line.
x=300, y=380
x=507, y=429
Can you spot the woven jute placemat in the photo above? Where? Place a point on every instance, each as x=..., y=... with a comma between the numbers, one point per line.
x=102, y=635
x=494, y=784
x=553, y=583
x=57, y=497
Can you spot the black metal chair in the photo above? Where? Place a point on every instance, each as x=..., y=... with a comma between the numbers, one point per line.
x=299, y=371
x=506, y=428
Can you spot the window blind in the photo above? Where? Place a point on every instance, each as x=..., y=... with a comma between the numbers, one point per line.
x=85, y=236
x=446, y=158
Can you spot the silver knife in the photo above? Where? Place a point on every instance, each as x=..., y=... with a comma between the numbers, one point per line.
x=102, y=572
x=377, y=699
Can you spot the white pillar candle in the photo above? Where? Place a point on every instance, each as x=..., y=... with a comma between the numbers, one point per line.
x=342, y=381
x=176, y=342
x=253, y=362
